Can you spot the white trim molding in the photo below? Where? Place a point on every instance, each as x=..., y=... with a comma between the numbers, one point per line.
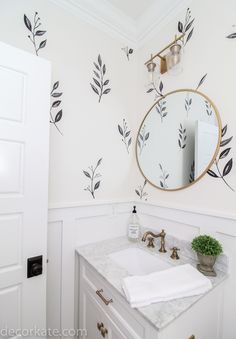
x=117, y=24
x=75, y=224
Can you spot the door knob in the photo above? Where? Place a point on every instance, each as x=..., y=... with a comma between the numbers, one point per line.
x=34, y=266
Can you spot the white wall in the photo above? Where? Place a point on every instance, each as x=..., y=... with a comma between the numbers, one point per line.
x=90, y=129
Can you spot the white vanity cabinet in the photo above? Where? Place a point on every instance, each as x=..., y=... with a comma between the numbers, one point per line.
x=115, y=319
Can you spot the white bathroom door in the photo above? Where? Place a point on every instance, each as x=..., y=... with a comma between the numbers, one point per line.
x=24, y=151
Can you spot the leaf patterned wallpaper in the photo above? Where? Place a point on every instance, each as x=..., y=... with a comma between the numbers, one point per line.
x=96, y=106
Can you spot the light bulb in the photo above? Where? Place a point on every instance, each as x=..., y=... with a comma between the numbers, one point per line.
x=174, y=60
x=152, y=75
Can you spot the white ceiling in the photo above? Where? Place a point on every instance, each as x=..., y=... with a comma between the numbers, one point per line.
x=132, y=8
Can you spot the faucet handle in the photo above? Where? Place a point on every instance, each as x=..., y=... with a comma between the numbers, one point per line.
x=150, y=242
x=174, y=254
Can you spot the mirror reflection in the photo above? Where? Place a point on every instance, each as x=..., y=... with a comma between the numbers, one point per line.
x=178, y=139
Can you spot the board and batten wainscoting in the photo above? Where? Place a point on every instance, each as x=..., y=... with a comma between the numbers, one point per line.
x=74, y=225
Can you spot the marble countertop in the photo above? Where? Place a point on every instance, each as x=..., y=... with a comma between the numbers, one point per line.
x=158, y=314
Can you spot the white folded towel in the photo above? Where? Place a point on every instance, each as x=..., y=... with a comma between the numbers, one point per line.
x=172, y=283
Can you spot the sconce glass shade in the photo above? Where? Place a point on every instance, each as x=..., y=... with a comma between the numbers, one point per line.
x=152, y=75
x=174, y=60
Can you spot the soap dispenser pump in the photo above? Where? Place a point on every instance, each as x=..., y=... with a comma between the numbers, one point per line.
x=134, y=226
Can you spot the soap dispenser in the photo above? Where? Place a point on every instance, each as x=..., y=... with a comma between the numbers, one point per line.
x=134, y=226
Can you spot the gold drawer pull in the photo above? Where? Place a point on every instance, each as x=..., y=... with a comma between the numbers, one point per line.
x=106, y=302
x=104, y=332
x=192, y=337
x=102, y=329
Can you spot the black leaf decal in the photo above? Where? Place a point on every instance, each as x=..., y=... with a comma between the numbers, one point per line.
x=163, y=177
x=161, y=86
x=27, y=23
x=104, y=69
x=182, y=137
x=56, y=95
x=97, y=185
x=180, y=27
x=55, y=86
x=94, y=89
x=106, y=91
x=225, y=142
x=92, y=174
x=189, y=25
x=97, y=75
x=97, y=82
x=42, y=44
x=219, y=173
x=212, y=174
x=189, y=35
x=35, y=32
x=120, y=130
x=87, y=174
x=185, y=27
x=224, y=130
x=40, y=33
x=158, y=90
x=99, y=60
x=128, y=51
x=58, y=116
x=125, y=132
x=140, y=191
x=231, y=36
x=97, y=67
x=99, y=162
x=201, y=81
x=224, y=153
x=100, y=83
x=143, y=136
x=54, y=105
x=161, y=109
x=228, y=167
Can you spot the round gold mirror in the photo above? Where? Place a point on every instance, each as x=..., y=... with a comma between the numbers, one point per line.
x=178, y=139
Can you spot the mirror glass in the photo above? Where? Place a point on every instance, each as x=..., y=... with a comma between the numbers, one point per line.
x=178, y=139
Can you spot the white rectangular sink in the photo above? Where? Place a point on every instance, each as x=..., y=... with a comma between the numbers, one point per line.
x=138, y=262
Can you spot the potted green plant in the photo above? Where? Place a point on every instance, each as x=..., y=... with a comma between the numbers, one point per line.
x=207, y=249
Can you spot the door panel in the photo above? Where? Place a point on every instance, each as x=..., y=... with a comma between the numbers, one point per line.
x=24, y=151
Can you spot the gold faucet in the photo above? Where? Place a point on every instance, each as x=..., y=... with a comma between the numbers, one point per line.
x=161, y=235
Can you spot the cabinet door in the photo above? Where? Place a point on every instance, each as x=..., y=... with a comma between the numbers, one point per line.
x=90, y=316
x=94, y=320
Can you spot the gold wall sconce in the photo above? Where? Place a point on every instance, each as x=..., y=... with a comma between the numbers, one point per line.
x=170, y=62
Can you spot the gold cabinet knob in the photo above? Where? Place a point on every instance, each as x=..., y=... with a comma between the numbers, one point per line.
x=192, y=337
x=100, y=326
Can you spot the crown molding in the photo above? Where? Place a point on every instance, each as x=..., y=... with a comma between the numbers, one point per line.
x=103, y=16
x=149, y=25
x=114, y=22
